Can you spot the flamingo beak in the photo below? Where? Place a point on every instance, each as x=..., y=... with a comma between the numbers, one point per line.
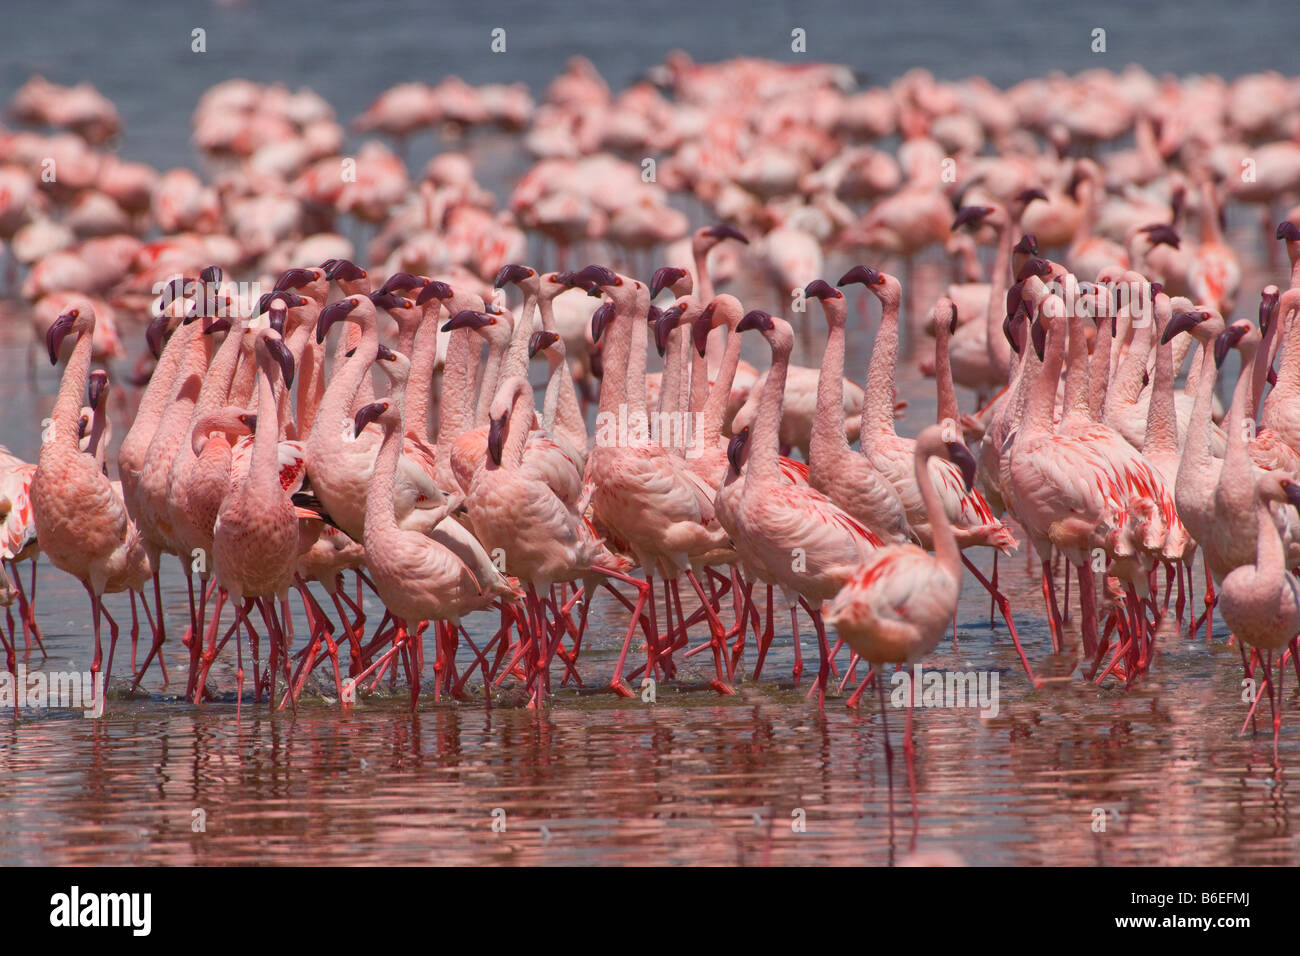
x=736, y=449
x=724, y=231
x=664, y=326
x=952, y=326
x=1268, y=306
x=280, y=352
x=278, y=314
x=367, y=414
x=755, y=319
x=970, y=214
x=465, y=319
x=1227, y=341
x=1038, y=336
x=497, y=437
x=963, y=459
x=1029, y=195
x=600, y=320
x=664, y=277
x=864, y=274
x=211, y=275
x=345, y=270
x=1027, y=246
x=331, y=314
x=390, y=301
x=294, y=279
x=511, y=274
x=541, y=339
x=434, y=289
x=821, y=289
x=702, y=327
x=1288, y=230
x=1180, y=322
x=58, y=331
x=153, y=336
x=402, y=282
x=217, y=325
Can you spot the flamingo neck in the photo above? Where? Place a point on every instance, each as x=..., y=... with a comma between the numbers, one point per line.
x=1076, y=374
x=715, y=406
x=516, y=360
x=344, y=387
x=878, y=422
x=380, y=518
x=1236, y=481
x=946, y=551
x=424, y=353
x=999, y=349
x=828, y=423
x=1042, y=395
x=1099, y=370
x=945, y=391
x=1126, y=387
x=487, y=387
x=67, y=406
x=455, y=411
x=1162, y=416
x=766, y=440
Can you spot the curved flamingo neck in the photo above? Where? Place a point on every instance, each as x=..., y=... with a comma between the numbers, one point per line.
x=999, y=349
x=1076, y=375
x=1126, y=387
x=516, y=359
x=456, y=409
x=1042, y=395
x=945, y=391
x=878, y=403
x=380, y=517
x=345, y=384
x=1236, y=478
x=715, y=406
x=264, y=469
x=491, y=378
x=1099, y=370
x=946, y=551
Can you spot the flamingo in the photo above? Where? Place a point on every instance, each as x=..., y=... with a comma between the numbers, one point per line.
x=799, y=539
x=82, y=523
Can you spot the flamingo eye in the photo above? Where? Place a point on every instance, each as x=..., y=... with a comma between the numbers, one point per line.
x=618, y=282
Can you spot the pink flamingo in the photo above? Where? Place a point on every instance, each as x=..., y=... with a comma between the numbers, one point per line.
x=81, y=521
x=255, y=538
x=799, y=539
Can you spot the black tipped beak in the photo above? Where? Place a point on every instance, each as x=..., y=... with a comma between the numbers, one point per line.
x=702, y=327
x=1181, y=322
x=1162, y=234
x=664, y=277
x=367, y=414
x=1268, y=306
x=970, y=214
x=331, y=314
x=153, y=336
x=864, y=274
x=280, y=352
x=264, y=302
x=600, y=320
x=664, y=326
x=211, y=275
x=821, y=289
x=1029, y=195
x=496, y=437
x=390, y=301
x=724, y=231
x=294, y=279
x=1038, y=336
x=58, y=331
x=511, y=273
x=1227, y=341
x=736, y=449
x=1027, y=246
x=1009, y=332
x=217, y=325
x=433, y=289
x=278, y=315
x=1034, y=266
x=385, y=354
x=1288, y=230
x=593, y=277
x=755, y=319
x=344, y=270
x=541, y=339
x=963, y=459
x=401, y=282
x=465, y=319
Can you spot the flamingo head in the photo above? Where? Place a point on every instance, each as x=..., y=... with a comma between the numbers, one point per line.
x=272, y=347
x=395, y=365
x=522, y=276
x=1235, y=336
x=540, y=340
x=595, y=279
x=1026, y=196
x=468, y=319
x=403, y=282
x=709, y=236
x=434, y=289
x=736, y=449
x=971, y=215
x=335, y=312
x=668, y=277
x=1288, y=231
x=385, y=413
x=97, y=386
x=392, y=302
x=1027, y=245
x=823, y=290
x=1161, y=233
x=297, y=278
x=1181, y=322
x=79, y=320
